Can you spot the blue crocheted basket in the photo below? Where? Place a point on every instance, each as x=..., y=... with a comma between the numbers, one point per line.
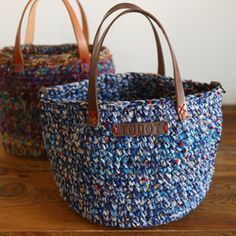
x=142, y=163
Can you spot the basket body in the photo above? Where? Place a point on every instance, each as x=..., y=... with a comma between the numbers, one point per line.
x=19, y=112
x=131, y=182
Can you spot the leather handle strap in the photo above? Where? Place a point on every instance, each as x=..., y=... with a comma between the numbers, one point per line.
x=93, y=106
x=161, y=62
x=30, y=31
x=82, y=45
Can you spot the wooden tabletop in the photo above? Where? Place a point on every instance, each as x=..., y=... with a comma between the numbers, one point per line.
x=31, y=205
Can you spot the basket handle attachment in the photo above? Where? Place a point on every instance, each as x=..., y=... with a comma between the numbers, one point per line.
x=82, y=45
x=93, y=108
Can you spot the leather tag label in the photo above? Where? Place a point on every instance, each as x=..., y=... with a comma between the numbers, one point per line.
x=140, y=129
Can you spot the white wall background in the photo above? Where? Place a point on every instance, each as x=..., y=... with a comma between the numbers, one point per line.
x=203, y=34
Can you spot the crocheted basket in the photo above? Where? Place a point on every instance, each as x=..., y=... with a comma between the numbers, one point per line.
x=43, y=66
x=128, y=158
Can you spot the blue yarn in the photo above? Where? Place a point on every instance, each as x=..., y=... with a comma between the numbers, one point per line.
x=132, y=182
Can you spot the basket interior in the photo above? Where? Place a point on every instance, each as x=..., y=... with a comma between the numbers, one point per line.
x=126, y=87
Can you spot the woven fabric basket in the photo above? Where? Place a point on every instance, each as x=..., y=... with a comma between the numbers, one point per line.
x=25, y=69
x=132, y=150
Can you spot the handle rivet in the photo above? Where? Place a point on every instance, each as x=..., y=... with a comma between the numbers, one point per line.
x=92, y=117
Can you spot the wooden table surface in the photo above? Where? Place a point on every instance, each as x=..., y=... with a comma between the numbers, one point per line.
x=30, y=203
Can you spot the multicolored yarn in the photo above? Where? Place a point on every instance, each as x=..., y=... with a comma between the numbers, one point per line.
x=19, y=111
x=131, y=182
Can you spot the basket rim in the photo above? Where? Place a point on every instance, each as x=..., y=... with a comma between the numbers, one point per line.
x=189, y=97
x=31, y=68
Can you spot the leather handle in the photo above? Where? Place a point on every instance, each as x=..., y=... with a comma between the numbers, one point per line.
x=82, y=45
x=30, y=31
x=161, y=62
x=93, y=107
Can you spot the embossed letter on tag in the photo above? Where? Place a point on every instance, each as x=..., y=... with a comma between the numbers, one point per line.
x=140, y=129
